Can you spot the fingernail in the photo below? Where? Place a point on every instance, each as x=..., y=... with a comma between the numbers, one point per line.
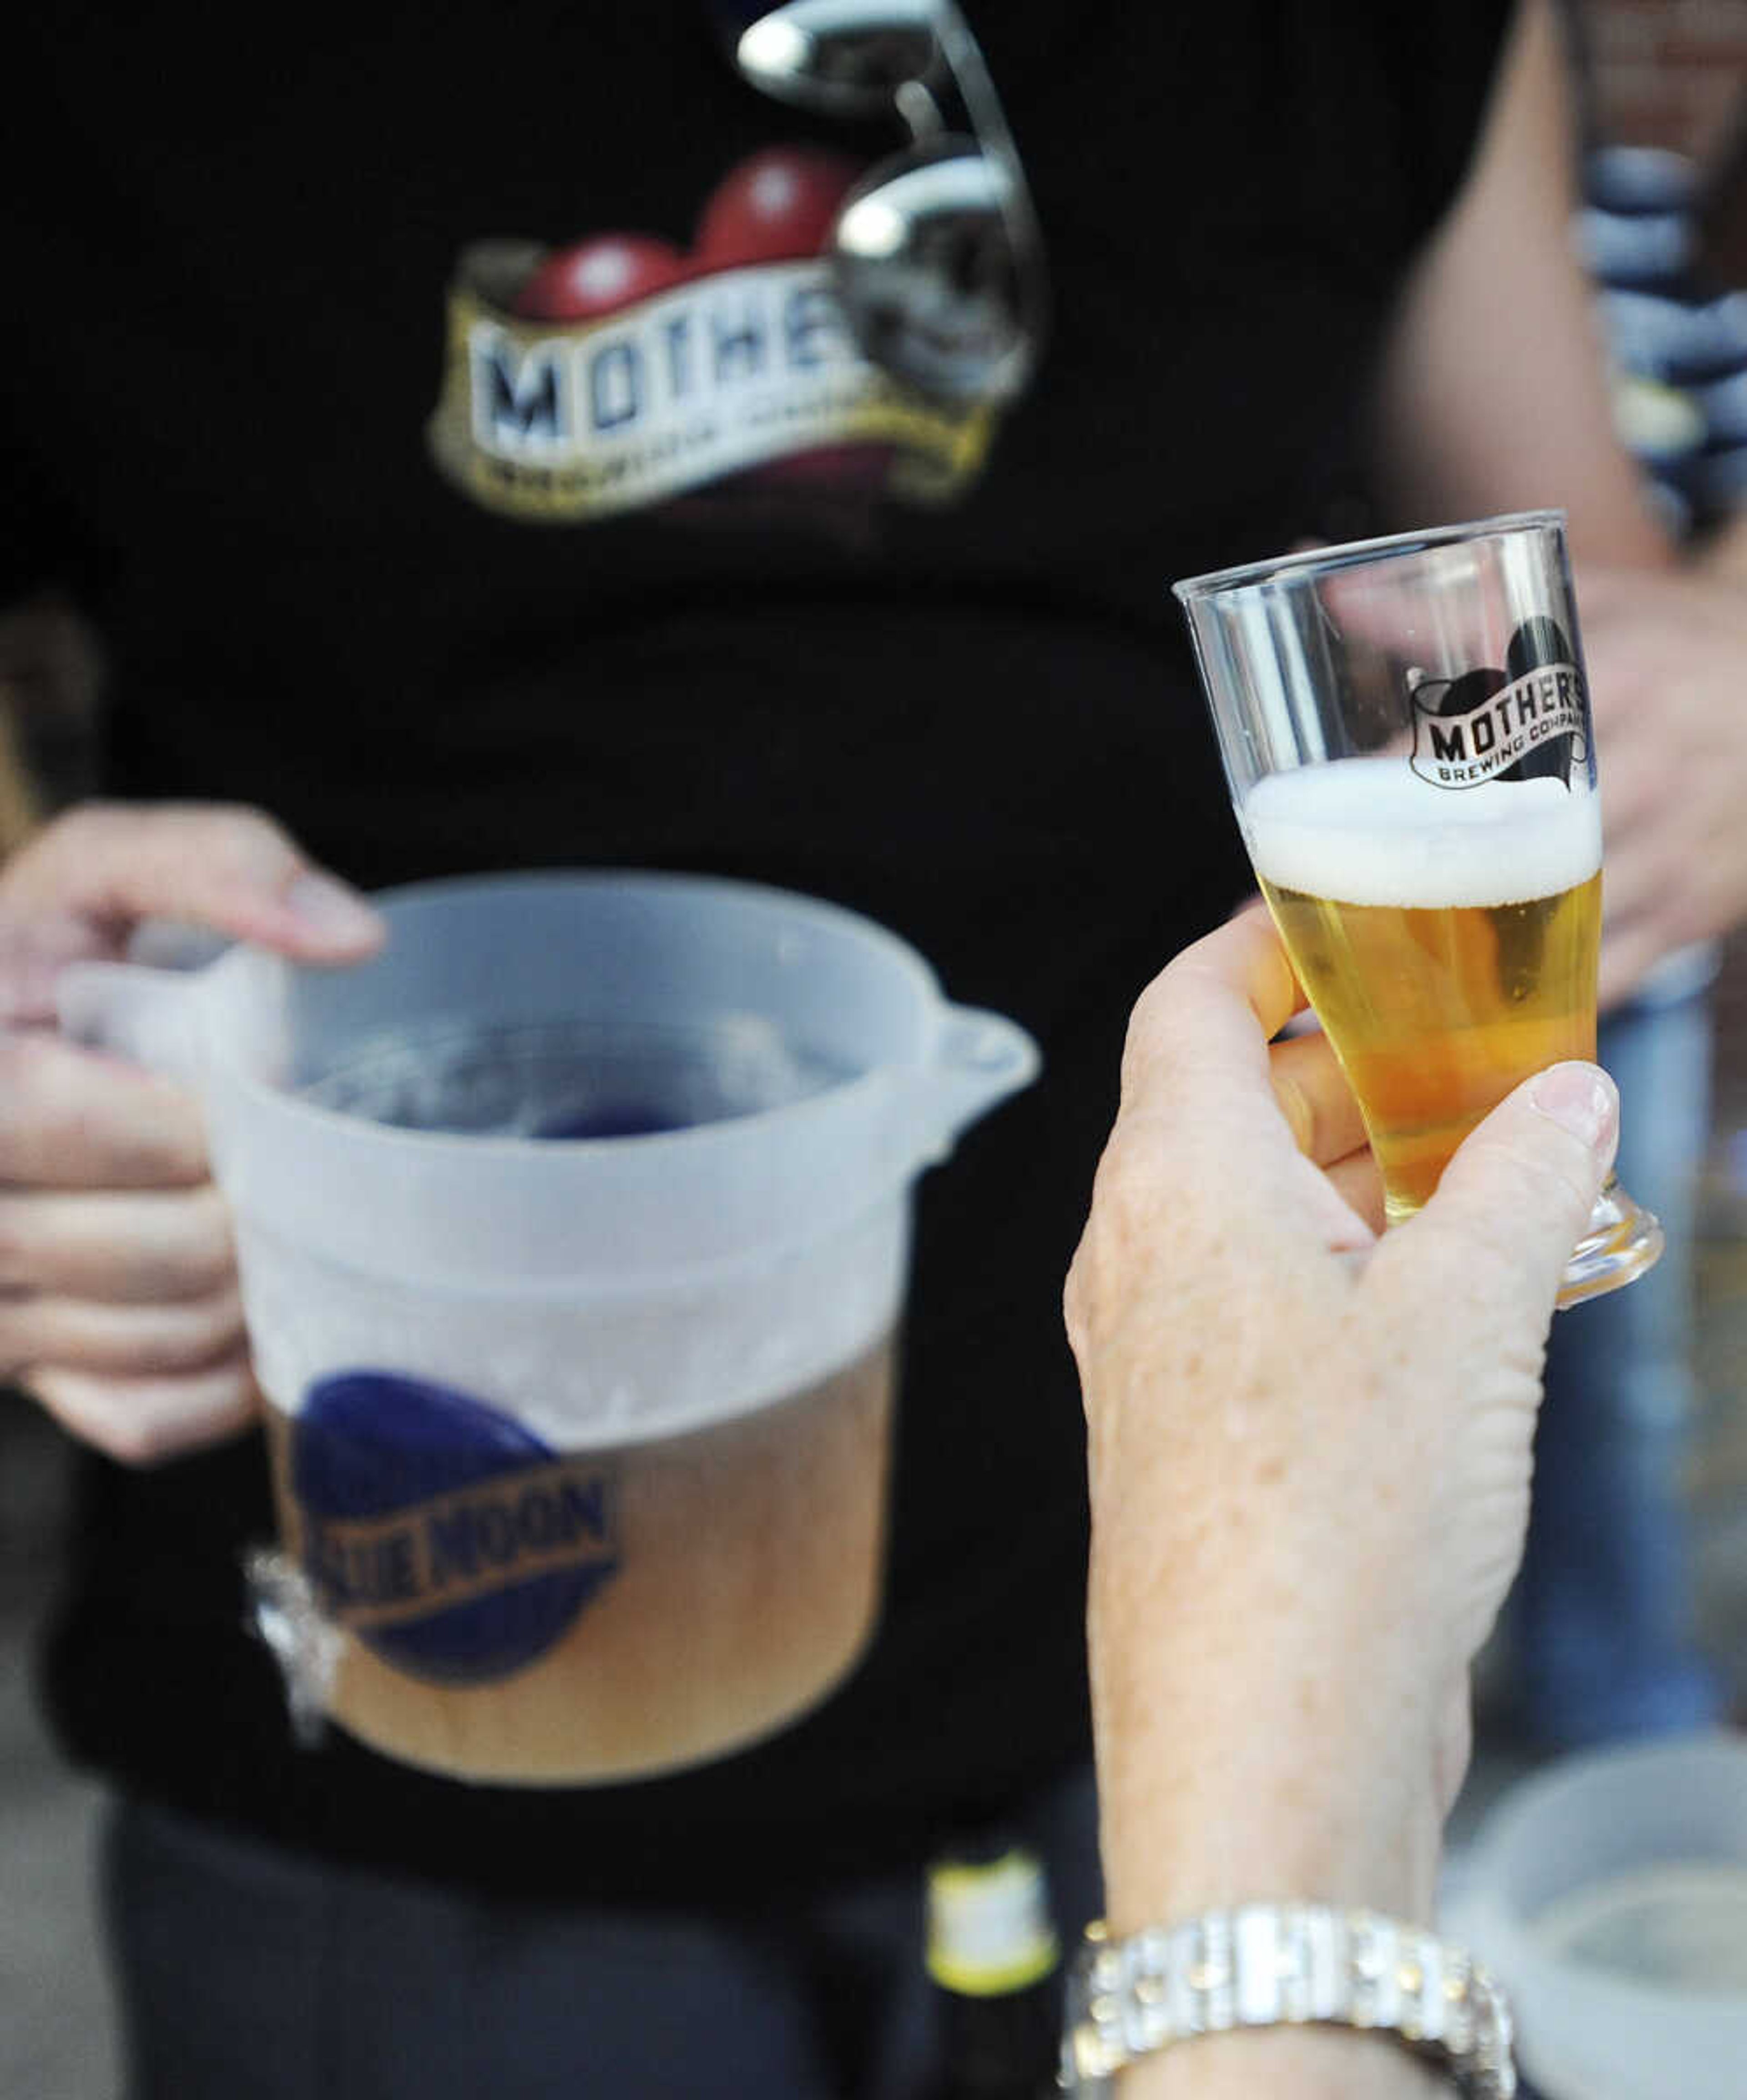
x=332, y=911
x=1578, y=1098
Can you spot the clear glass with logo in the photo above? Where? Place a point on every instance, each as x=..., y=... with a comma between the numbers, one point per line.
x=1405, y=729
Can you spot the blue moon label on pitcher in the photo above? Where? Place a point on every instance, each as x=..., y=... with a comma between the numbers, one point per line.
x=444, y=1534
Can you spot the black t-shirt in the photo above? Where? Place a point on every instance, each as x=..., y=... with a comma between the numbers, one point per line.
x=365, y=548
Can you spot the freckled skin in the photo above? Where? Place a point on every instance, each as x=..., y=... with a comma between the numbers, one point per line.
x=1308, y=1452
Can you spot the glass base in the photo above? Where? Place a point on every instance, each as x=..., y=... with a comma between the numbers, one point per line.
x=1623, y=1241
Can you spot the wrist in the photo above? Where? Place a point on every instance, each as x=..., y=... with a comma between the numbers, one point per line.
x=1219, y=1785
x=1295, y=2063
x=1272, y=1710
x=1290, y=1970
x=1213, y=1849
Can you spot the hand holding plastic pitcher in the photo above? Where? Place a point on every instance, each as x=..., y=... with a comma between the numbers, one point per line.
x=120, y=1312
x=572, y=1233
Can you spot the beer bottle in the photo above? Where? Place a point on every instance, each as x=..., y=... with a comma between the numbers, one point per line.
x=995, y=1961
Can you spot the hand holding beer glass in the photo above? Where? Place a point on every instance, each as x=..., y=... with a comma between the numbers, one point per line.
x=1405, y=729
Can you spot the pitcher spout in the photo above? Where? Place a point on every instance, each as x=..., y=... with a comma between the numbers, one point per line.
x=979, y=1058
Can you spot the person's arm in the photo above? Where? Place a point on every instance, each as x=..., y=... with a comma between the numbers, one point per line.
x=1309, y=1457
x=1493, y=396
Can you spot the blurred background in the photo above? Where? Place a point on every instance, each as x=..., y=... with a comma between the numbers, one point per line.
x=1667, y=239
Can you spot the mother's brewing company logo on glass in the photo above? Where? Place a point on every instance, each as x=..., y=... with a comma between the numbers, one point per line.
x=441, y=1533
x=1530, y=721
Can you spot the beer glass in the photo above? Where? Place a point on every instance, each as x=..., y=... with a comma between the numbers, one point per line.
x=1405, y=730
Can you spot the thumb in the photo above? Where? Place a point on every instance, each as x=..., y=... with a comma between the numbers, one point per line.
x=229, y=868
x=1514, y=1201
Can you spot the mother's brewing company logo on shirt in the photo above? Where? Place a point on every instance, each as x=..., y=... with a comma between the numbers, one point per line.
x=621, y=371
x=440, y=1532
x=1528, y=721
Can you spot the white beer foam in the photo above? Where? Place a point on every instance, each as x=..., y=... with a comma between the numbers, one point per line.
x=1369, y=831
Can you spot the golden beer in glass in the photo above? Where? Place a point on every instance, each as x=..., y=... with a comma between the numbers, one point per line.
x=1405, y=729
x=1490, y=965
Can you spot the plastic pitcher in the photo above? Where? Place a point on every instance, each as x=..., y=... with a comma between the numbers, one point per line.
x=573, y=1232
x=1609, y=1893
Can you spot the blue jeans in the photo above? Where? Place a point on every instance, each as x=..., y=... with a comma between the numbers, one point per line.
x=1602, y=1609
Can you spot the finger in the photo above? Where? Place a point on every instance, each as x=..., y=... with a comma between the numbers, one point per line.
x=1492, y=1243
x=1301, y=1018
x=1208, y=1016
x=1315, y=1099
x=121, y=1341
x=1357, y=1182
x=142, y=1421
x=215, y=865
x=71, y=1119
x=138, y=1249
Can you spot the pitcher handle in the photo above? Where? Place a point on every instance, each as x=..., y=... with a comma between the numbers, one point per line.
x=140, y=1013
x=979, y=1058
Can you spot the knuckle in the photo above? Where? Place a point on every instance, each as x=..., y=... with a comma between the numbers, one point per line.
x=1542, y=1176
x=168, y=1153
x=74, y=838
x=167, y=1274
x=177, y=846
x=1491, y=1245
x=243, y=839
x=115, y=1339
x=66, y=1118
x=1154, y=1022
x=1155, y=1000
x=137, y=1437
x=1124, y=1187
x=185, y=1337
x=147, y=1433
x=1129, y=1192
x=1074, y=1306
x=1141, y=1040
x=187, y=1418
x=75, y=830
x=207, y=1265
